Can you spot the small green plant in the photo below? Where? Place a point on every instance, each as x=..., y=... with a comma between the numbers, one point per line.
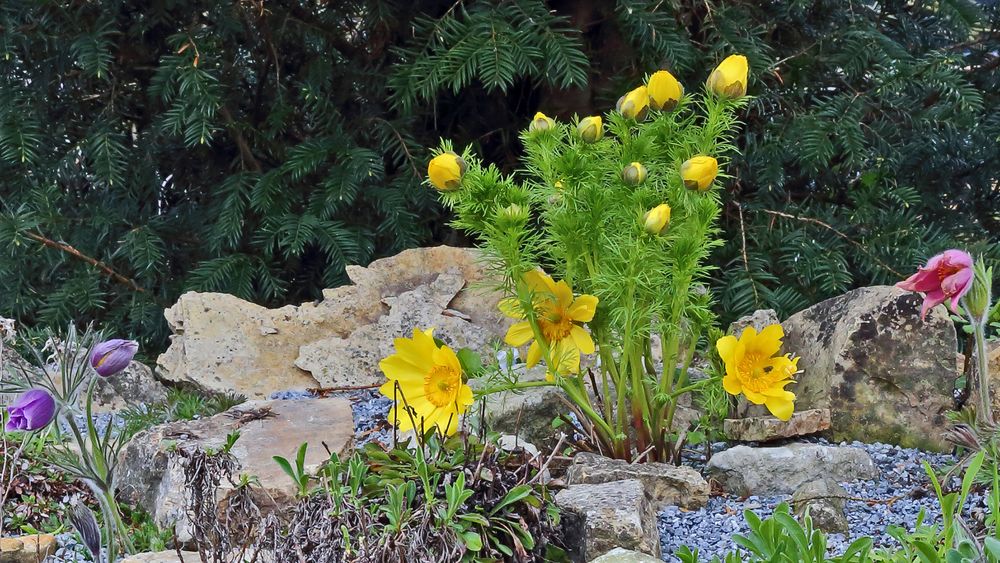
x=181, y=404
x=298, y=472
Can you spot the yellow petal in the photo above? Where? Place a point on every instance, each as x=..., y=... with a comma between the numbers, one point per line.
x=664, y=90
x=465, y=397
x=781, y=408
x=445, y=356
x=534, y=354
x=767, y=342
x=539, y=282
x=511, y=306
x=754, y=397
x=566, y=356
x=396, y=367
x=727, y=348
x=519, y=333
x=731, y=384
x=583, y=308
x=563, y=293
x=582, y=340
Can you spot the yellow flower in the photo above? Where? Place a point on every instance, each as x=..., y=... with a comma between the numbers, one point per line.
x=431, y=390
x=656, y=219
x=558, y=185
x=729, y=79
x=698, y=172
x=753, y=369
x=635, y=104
x=591, y=128
x=446, y=170
x=664, y=90
x=634, y=174
x=541, y=122
x=559, y=317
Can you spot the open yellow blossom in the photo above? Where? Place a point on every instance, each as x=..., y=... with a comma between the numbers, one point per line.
x=752, y=368
x=729, y=79
x=559, y=316
x=431, y=390
x=698, y=172
x=664, y=90
x=446, y=170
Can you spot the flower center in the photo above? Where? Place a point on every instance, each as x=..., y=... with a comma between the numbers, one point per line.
x=441, y=385
x=755, y=374
x=556, y=325
x=944, y=271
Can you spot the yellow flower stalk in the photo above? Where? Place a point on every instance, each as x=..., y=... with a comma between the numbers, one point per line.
x=541, y=122
x=591, y=128
x=664, y=90
x=445, y=171
x=634, y=174
x=729, y=79
x=753, y=369
x=431, y=391
x=656, y=219
x=635, y=104
x=559, y=316
x=699, y=172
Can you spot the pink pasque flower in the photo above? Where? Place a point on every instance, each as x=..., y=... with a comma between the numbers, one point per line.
x=946, y=276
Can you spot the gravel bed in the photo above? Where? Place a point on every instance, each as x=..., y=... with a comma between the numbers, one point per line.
x=895, y=498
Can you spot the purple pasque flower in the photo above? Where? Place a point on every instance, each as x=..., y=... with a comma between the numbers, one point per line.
x=112, y=356
x=31, y=410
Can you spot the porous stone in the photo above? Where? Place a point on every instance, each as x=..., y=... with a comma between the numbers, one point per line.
x=167, y=556
x=133, y=385
x=151, y=474
x=665, y=484
x=768, y=428
x=780, y=470
x=27, y=549
x=622, y=555
x=824, y=501
x=600, y=517
x=885, y=374
x=758, y=319
x=224, y=344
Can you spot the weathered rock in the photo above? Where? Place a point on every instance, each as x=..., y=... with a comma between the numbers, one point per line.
x=132, y=386
x=526, y=413
x=758, y=319
x=824, y=500
x=885, y=375
x=168, y=556
x=993, y=365
x=27, y=549
x=224, y=344
x=152, y=476
x=621, y=555
x=768, y=428
x=743, y=470
x=665, y=484
x=353, y=360
x=600, y=517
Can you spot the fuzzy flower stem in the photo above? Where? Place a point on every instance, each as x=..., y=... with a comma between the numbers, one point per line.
x=985, y=410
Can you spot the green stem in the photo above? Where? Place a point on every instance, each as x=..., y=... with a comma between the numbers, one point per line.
x=982, y=372
x=513, y=387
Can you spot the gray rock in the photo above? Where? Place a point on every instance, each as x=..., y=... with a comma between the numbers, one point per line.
x=823, y=499
x=743, y=470
x=621, y=555
x=133, y=385
x=527, y=413
x=665, y=484
x=768, y=428
x=885, y=375
x=151, y=476
x=600, y=517
x=758, y=319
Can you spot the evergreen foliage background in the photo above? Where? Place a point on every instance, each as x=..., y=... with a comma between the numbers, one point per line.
x=251, y=147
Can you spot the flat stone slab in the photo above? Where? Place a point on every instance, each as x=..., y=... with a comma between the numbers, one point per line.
x=27, y=549
x=665, y=484
x=167, y=556
x=780, y=470
x=622, y=555
x=768, y=428
x=600, y=517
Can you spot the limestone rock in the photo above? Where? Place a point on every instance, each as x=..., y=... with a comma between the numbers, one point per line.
x=665, y=484
x=600, y=517
x=768, y=428
x=224, y=344
x=151, y=476
x=131, y=386
x=780, y=470
x=621, y=555
x=27, y=549
x=885, y=375
x=824, y=500
x=167, y=556
x=758, y=319
x=526, y=413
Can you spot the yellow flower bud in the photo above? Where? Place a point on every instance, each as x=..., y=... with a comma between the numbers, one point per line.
x=664, y=90
x=635, y=104
x=541, y=122
x=699, y=172
x=591, y=128
x=729, y=79
x=559, y=185
x=634, y=174
x=656, y=219
x=446, y=170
